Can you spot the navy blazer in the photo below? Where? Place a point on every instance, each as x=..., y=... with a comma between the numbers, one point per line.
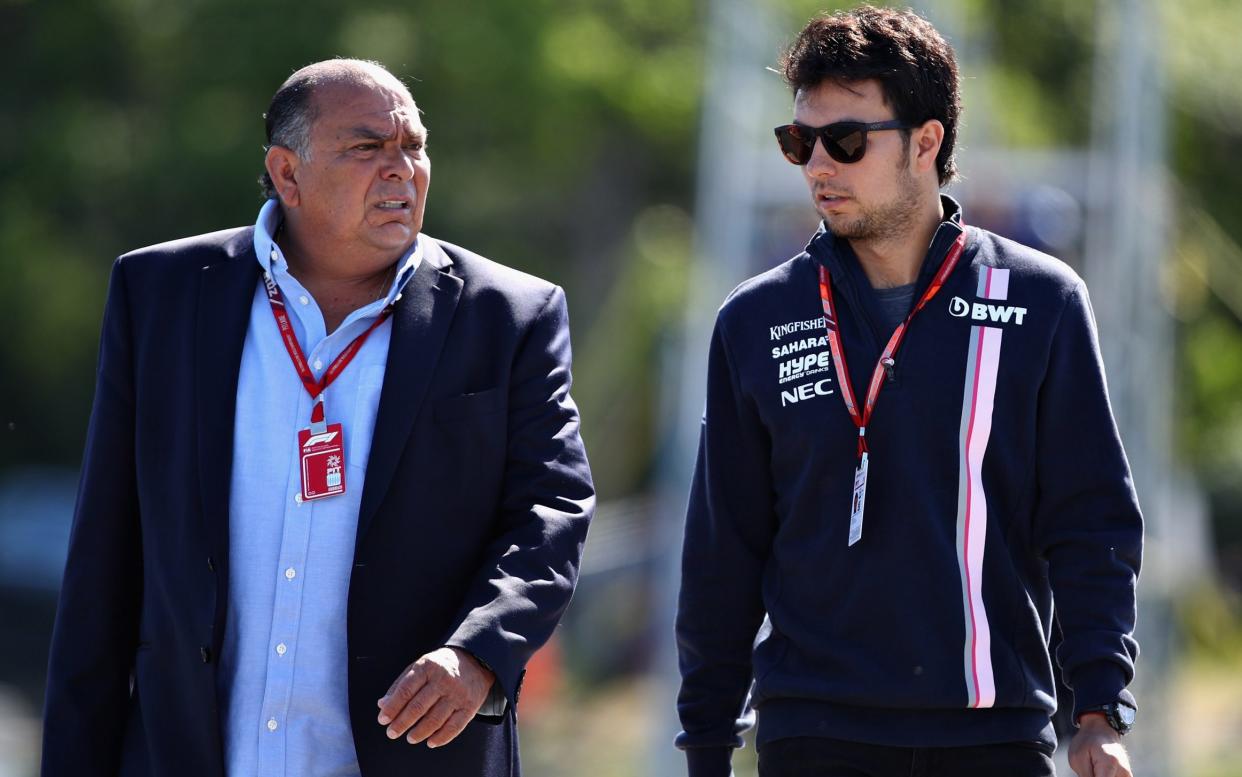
x=473, y=516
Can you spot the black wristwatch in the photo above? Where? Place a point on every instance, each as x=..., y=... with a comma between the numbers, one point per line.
x=1120, y=716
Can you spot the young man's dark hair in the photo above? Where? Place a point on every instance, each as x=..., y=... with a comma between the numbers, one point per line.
x=913, y=63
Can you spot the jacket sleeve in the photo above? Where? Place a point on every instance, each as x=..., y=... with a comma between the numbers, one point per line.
x=96, y=629
x=1088, y=525
x=730, y=523
x=547, y=501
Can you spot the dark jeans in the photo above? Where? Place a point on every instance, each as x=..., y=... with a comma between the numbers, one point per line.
x=817, y=757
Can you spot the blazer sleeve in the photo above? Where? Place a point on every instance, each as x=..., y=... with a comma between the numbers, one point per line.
x=1088, y=521
x=547, y=501
x=96, y=629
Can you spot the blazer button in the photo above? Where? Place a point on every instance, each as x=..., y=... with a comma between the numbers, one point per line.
x=205, y=652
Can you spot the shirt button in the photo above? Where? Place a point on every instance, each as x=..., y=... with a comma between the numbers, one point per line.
x=318, y=364
x=271, y=724
x=290, y=574
x=281, y=649
x=304, y=300
x=297, y=498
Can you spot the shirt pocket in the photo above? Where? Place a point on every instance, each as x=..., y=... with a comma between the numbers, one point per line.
x=366, y=408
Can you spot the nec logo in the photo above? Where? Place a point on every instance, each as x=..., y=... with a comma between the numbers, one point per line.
x=981, y=311
x=806, y=391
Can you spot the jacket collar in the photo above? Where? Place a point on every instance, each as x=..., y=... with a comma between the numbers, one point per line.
x=837, y=255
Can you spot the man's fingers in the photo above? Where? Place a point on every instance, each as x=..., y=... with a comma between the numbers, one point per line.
x=1080, y=762
x=408, y=683
x=456, y=724
x=431, y=722
x=1114, y=761
x=1102, y=765
x=415, y=709
x=1106, y=764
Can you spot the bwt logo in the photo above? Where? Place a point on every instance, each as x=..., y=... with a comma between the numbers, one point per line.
x=981, y=311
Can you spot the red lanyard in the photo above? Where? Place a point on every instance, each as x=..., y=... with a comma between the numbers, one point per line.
x=886, y=362
x=314, y=387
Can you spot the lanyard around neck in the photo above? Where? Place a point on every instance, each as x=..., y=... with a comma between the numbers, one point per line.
x=314, y=387
x=862, y=417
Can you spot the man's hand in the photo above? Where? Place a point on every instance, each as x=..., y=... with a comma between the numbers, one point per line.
x=438, y=695
x=1096, y=750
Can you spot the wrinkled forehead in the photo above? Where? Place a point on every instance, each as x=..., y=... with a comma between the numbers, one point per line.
x=384, y=105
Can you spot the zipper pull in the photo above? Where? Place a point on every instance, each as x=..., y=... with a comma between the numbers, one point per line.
x=889, y=364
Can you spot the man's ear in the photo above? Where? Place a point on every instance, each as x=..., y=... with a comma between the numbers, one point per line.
x=927, y=139
x=282, y=166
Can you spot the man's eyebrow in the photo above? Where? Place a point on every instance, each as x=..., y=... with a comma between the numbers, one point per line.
x=370, y=133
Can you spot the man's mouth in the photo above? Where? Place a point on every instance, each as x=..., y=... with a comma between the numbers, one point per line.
x=393, y=205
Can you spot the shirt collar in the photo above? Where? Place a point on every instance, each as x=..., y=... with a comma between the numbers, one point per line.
x=272, y=259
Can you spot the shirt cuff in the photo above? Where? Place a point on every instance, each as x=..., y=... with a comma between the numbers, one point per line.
x=496, y=703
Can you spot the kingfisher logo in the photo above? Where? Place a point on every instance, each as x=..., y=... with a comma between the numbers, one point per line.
x=982, y=311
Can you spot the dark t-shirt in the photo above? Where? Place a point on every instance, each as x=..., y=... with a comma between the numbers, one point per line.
x=894, y=306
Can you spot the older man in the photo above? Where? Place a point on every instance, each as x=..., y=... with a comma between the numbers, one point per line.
x=333, y=495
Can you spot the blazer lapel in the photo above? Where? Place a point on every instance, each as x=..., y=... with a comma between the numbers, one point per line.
x=420, y=323
x=226, y=290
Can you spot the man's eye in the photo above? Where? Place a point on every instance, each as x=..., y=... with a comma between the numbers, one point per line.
x=365, y=147
x=419, y=146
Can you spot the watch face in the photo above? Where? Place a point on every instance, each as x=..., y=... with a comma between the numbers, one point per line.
x=1126, y=715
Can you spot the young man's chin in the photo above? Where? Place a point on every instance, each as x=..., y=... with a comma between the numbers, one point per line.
x=842, y=226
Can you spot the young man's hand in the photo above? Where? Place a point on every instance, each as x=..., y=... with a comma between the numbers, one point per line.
x=1096, y=750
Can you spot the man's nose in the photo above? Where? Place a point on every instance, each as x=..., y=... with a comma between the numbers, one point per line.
x=398, y=165
x=820, y=164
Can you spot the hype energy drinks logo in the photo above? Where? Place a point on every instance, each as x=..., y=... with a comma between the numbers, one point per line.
x=804, y=363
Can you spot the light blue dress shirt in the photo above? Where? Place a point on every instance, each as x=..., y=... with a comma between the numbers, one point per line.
x=283, y=673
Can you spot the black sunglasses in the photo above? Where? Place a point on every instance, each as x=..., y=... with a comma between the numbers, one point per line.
x=845, y=141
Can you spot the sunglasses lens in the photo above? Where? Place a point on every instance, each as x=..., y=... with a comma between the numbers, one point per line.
x=848, y=147
x=796, y=143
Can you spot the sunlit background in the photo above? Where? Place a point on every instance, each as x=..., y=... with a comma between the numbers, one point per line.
x=623, y=149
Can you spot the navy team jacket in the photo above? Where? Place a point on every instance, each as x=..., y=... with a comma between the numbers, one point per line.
x=997, y=485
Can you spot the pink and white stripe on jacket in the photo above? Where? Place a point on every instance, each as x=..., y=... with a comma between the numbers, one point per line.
x=982, y=364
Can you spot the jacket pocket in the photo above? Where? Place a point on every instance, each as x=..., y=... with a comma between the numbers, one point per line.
x=480, y=403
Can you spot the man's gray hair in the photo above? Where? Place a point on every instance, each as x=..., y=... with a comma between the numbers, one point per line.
x=292, y=112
